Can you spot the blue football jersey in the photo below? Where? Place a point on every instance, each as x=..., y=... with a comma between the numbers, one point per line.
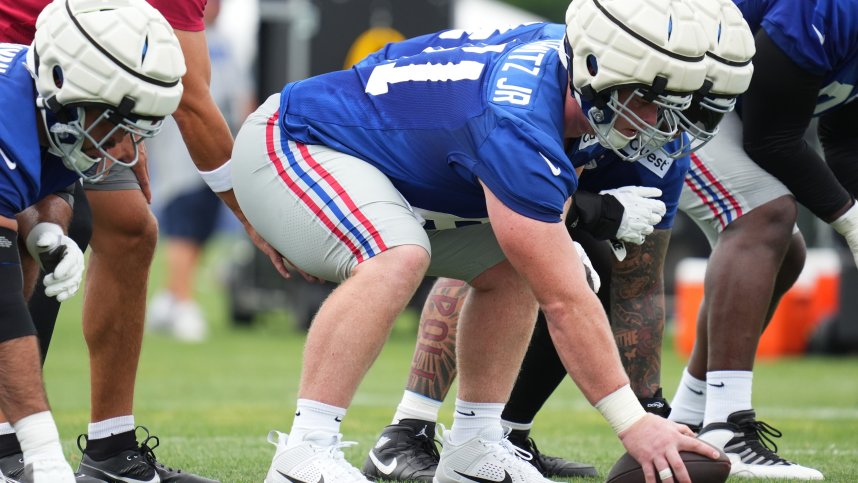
x=28, y=172
x=459, y=37
x=821, y=36
x=605, y=169
x=439, y=121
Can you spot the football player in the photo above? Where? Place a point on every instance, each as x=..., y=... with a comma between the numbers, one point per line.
x=742, y=191
x=68, y=99
x=357, y=176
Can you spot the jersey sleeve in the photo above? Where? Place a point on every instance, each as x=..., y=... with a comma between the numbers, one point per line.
x=521, y=169
x=182, y=15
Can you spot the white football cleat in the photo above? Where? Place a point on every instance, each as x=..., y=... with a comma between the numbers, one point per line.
x=744, y=439
x=49, y=470
x=317, y=459
x=489, y=457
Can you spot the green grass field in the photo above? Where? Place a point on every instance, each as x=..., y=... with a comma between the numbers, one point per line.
x=213, y=404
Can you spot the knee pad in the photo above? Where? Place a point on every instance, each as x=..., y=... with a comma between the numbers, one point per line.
x=15, y=320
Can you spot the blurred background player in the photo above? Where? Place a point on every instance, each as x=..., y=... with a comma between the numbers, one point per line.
x=82, y=93
x=188, y=211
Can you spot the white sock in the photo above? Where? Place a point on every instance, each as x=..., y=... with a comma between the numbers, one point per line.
x=690, y=401
x=6, y=428
x=314, y=416
x=39, y=437
x=109, y=427
x=416, y=406
x=470, y=419
x=516, y=426
x=726, y=393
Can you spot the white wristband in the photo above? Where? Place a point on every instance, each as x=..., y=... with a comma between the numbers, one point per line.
x=621, y=408
x=220, y=179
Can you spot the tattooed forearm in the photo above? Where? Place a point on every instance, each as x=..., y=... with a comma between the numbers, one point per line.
x=637, y=311
x=433, y=368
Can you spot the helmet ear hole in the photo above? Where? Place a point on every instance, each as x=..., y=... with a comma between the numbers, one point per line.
x=592, y=64
x=57, y=75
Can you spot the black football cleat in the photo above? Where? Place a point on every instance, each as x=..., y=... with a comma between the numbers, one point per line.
x=134, y=465
x=13, y=470
x=404, y=452
x=549, y=466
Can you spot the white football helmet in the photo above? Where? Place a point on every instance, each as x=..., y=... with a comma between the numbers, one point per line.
x=655, y=47
x=119, y=60
x=728, y=74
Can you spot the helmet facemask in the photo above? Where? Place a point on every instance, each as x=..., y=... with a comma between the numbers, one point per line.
x=700, y=123
x=70, y=135
x=630, y=148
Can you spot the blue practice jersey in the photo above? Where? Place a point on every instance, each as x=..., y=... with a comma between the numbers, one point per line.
x=605, y=170
x=27, y=173
x=821, y=36
x=439, y=121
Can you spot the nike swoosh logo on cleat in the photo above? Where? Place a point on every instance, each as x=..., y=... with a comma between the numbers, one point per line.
x=387, y=469
x=296, y=480
x=155, y=479
x=695, y=391
x=506, y=478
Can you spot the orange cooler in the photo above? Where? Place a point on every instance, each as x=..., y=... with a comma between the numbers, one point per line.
x=812, y=298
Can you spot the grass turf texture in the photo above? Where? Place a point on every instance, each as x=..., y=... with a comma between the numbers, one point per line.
x=213, y=404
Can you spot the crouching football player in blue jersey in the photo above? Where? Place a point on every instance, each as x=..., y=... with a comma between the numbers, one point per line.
x=67, y=99
x=632, y=288
x=357, y=176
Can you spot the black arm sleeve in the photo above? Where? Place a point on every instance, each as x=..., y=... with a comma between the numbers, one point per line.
x=776, y=112
x=599, y=215
x=838, y=133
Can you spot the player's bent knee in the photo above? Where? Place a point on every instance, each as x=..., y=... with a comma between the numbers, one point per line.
x=501, y=275
x=400, y=262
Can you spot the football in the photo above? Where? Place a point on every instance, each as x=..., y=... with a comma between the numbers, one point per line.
x=700, y=468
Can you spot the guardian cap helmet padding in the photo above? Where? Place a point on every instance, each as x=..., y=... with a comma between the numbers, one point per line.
x=116, y=56
x=728, y=75
x=655, y=47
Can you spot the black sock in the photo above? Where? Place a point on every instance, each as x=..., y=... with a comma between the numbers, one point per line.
x=102, y=448
x=9, y=445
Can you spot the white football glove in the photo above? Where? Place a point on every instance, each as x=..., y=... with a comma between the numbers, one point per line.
x=60, y=257
x=592, y=276
x=847, y=225
x=640, y=211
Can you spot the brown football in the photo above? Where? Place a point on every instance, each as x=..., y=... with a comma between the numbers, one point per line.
x=700, y=468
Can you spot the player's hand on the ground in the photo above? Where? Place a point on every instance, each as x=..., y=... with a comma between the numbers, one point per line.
x=847, y=225
x=281, y=263
x=655, y=443
x=641, y=211
x=60, y=257
x=593, y=279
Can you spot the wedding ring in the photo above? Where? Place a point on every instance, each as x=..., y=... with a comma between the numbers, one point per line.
x=665, y=474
